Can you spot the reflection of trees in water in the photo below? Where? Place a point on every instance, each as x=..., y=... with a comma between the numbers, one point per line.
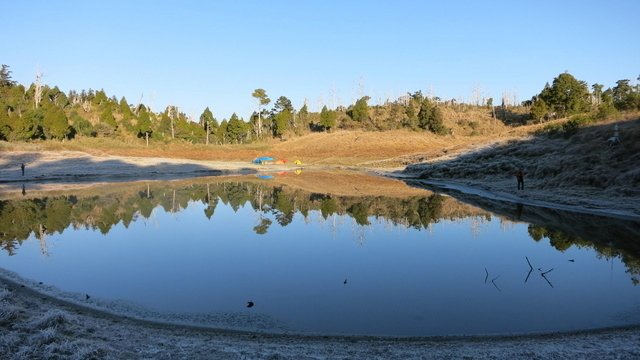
x=562, y=241
x=273, y=204
x=21, y=218
x=263, y=226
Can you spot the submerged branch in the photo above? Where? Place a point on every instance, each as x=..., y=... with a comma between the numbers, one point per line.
x=493, y=281
x=530, y=270
x=528, y=262
x=543, y=276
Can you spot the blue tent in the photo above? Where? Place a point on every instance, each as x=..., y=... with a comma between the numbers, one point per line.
x=263, y=158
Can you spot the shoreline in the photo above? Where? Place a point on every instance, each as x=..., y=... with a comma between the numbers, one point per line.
x=71, y=167
x=29, y=289
x=504, y=197
x=68, y=327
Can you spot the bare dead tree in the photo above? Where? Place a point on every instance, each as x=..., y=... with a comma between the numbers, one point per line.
x=37, y=97
x=172, y=112
x=476, y=95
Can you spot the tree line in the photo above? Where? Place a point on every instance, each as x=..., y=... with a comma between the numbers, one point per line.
x=43, y=112
x=568, y=96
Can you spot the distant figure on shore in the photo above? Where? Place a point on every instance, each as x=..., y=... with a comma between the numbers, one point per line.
x=520, y=178
x=22, y=168
x=24, y=191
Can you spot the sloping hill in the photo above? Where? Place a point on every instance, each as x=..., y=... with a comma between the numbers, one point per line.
x=581, y=169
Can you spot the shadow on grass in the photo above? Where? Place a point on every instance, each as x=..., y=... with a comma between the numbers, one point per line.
x=582, y=157
x=84, y=169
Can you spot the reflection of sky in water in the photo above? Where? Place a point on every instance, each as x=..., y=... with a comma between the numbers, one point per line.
x=399, y=281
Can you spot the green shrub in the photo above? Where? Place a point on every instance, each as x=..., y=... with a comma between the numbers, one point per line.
x=605, y=110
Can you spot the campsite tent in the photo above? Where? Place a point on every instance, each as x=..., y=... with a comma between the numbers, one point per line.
x=263, y=159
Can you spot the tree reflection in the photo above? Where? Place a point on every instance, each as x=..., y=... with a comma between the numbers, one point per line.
x=625, y=249
x=22, y=217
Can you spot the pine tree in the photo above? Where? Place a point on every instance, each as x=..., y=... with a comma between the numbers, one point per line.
x=327, y=118
x=55, y=123
x=538, y=110
x=281, y=122
x=106, y=117
x=144, y=124
x=566, y=95
x=5, y=77
x=430, y=117
x=221, y=133
x=81, y=125
x=27, y=127
x=209, y=123
x=303, y=116
x=5, y=129
x=282, y=116
x=235, y=129
x=360, y=111
x=125, y=109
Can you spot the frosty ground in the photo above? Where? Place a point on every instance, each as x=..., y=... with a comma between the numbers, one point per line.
x=34, y=325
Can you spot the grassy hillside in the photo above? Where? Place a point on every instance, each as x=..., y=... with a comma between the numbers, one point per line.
x=580, y=158
x=470, y=126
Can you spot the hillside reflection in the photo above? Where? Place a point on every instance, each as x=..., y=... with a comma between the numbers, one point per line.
x=103, y=207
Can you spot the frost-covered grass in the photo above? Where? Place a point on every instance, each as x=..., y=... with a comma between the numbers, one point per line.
x=51, y=319
x=582, y=169
x=584, y=159
x=40, y=329
x=31, y=330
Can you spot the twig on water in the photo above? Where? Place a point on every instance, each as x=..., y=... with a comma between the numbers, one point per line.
x=543, y=276
x=529, y=262
x=530, y=270
x=493, y=281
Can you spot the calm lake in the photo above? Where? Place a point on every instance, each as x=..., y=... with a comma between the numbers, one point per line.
x=322, y=253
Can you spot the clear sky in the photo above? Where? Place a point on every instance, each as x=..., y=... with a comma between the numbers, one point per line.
x=195, y=54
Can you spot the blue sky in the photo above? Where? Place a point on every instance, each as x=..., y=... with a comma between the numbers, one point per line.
x=195, y=54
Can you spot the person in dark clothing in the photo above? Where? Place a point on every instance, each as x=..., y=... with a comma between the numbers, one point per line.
x=520, y=178
x=22, y=168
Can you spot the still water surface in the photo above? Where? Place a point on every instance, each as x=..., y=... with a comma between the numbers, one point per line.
x=417, y=264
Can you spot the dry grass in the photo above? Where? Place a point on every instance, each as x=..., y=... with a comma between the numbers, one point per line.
x=353, y=148
x=583, y=165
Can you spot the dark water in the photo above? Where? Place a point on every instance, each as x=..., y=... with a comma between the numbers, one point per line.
x=414, y=265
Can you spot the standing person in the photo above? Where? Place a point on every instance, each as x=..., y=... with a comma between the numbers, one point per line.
x=22, y=168
x=520, y=178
